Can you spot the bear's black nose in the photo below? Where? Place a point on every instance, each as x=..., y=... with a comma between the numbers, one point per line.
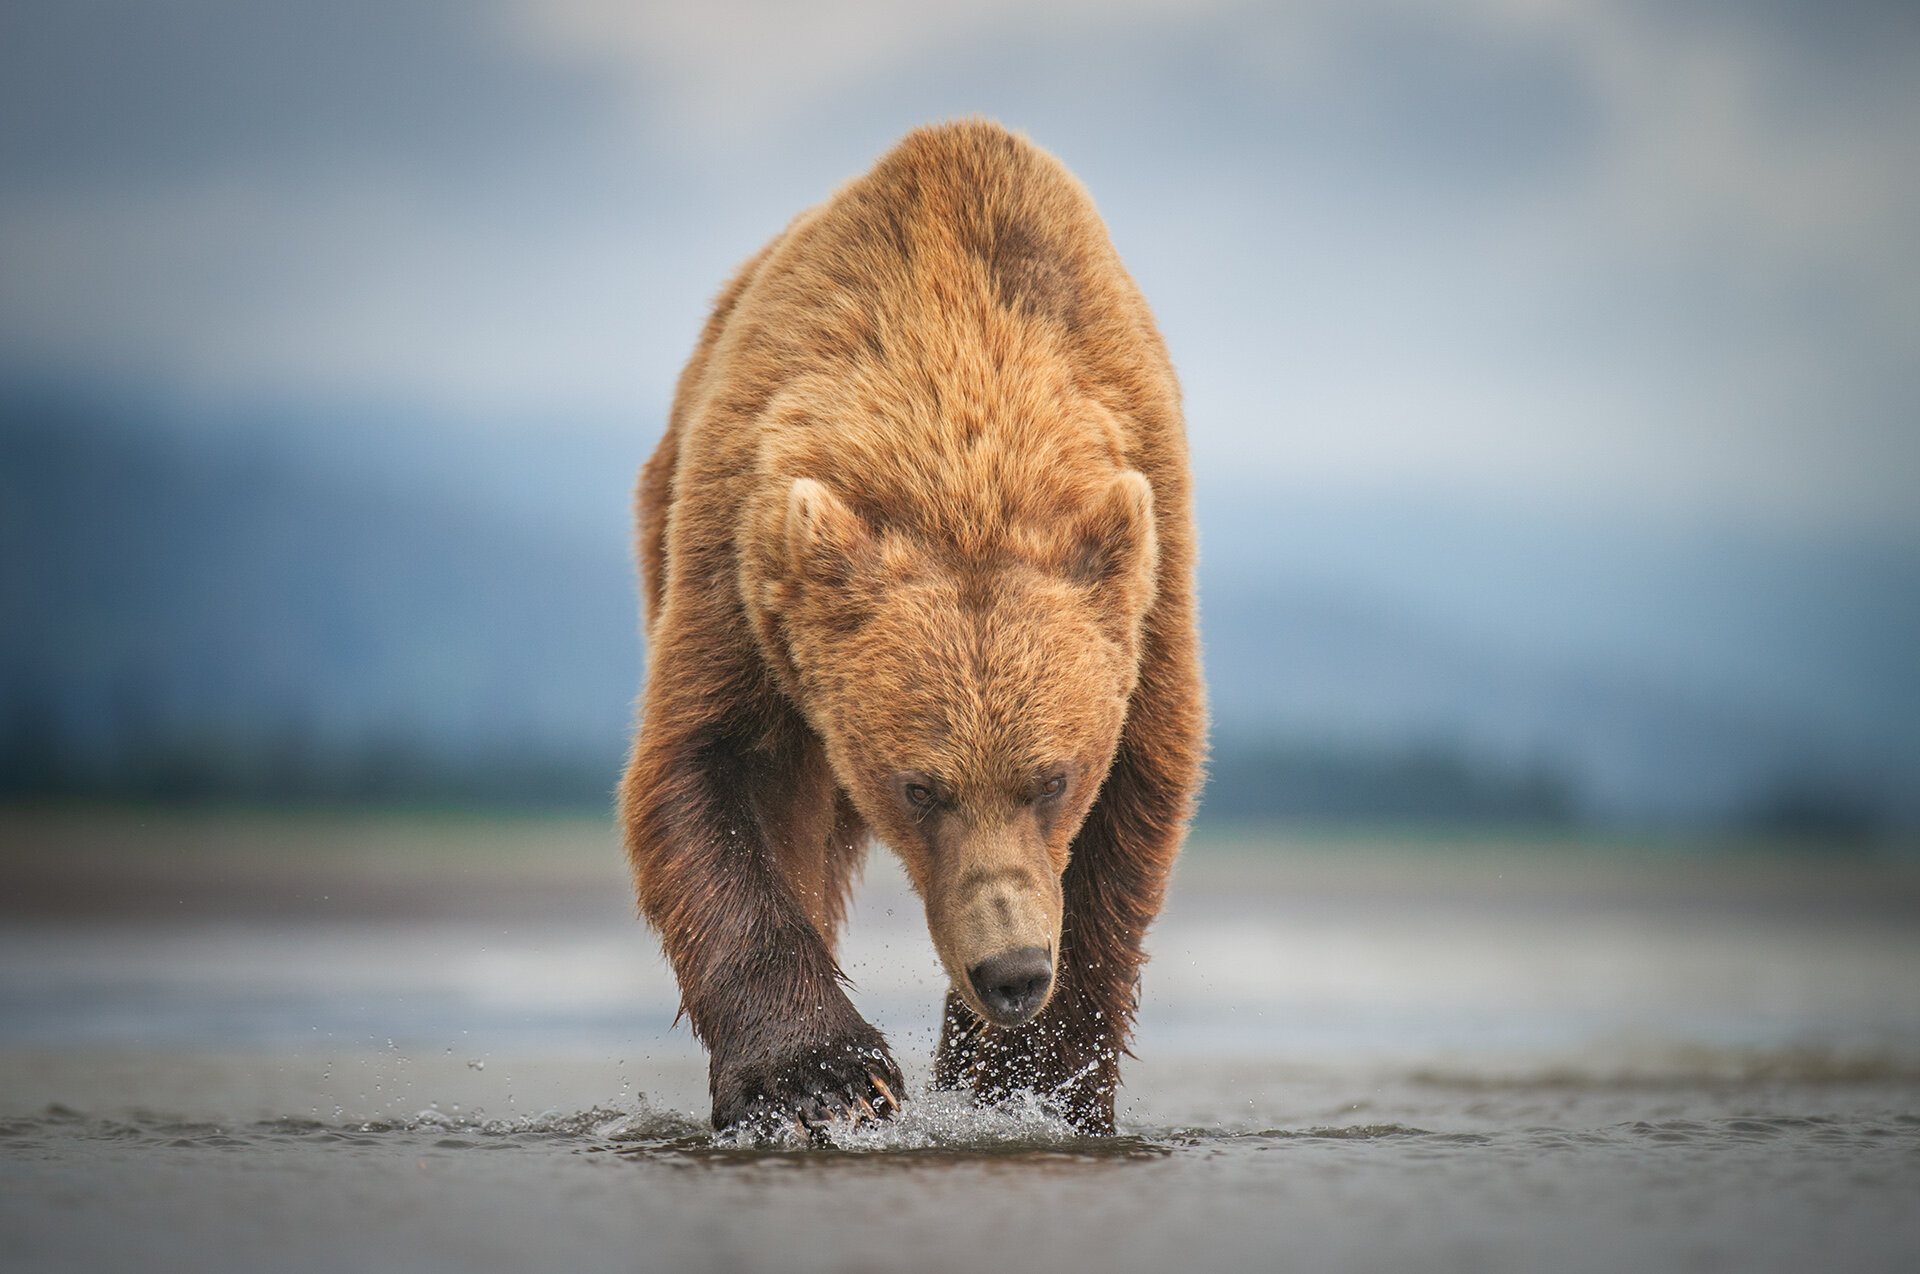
x=1013, y=984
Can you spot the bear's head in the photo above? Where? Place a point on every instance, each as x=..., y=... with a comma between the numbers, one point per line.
x=970, y=705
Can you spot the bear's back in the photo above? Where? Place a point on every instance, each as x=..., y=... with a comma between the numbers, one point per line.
x=950, y=342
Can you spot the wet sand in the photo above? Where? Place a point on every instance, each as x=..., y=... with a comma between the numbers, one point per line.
x=445, y=1044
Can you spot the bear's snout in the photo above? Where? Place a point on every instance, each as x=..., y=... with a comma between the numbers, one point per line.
x=1013, y=985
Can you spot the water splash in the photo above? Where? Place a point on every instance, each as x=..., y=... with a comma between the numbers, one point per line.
x=941, y=1120
x=941, y=1123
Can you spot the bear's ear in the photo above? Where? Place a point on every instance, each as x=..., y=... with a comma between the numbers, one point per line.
x=1118, y=553
x=827, y=542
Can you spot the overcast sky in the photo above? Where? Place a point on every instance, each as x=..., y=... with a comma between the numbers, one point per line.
x=1658, y=258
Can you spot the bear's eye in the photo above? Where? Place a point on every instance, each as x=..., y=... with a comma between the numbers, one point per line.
x=1054, y=786
x=919, y=794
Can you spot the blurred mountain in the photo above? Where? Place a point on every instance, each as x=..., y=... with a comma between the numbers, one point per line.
x=202, y=613
x=1661, y=674
x=357, y=606
x=1363, y=679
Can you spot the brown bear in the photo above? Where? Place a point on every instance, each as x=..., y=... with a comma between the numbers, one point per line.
x=917, y=562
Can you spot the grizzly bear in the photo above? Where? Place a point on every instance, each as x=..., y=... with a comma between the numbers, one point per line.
x=917, y=563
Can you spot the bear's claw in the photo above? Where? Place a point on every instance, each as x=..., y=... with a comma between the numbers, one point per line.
x=809, y=1096
x=818, y=1111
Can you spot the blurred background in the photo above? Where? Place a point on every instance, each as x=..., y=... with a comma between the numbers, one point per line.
x=1552, y=370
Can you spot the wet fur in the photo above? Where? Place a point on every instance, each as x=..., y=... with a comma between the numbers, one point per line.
x=951, y=349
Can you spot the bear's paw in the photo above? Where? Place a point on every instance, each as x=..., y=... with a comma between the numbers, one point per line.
x=849, y=1080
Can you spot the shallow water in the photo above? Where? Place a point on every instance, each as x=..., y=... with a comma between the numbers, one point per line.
x=1350, y=1059
x=1323, y=1173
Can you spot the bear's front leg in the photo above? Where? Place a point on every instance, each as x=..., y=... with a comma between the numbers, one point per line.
x=706, y=818
x=771, y=1067
x=1114, y=885
x=1068, y=1057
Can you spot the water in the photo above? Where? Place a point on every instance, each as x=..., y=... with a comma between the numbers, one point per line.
x=1315, y=1173
x=1352, y=1057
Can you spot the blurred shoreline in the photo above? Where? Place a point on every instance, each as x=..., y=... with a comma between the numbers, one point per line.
x=1492, y=956
x=134, y=861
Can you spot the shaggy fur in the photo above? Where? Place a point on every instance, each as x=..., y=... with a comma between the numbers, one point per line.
x=917, y=556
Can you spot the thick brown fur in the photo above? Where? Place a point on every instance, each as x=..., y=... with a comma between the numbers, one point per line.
x=920, y=527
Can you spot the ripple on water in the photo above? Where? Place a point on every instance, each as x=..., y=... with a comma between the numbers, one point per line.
x=936, y=1126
